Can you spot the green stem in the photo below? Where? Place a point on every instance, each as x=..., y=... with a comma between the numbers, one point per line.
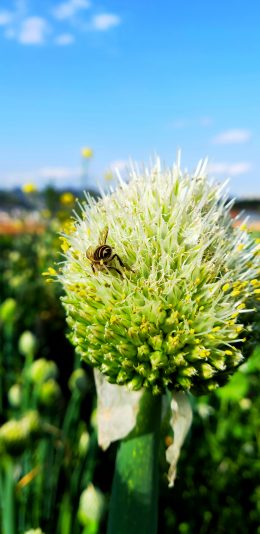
x=27, y=386
x=133, y=506
x=65, y=516
x=89, y=465
x=9, y=504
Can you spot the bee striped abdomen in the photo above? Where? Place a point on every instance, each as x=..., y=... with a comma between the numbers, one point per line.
x=101, y=256
x=102, y=253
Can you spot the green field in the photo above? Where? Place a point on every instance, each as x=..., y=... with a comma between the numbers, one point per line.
x=49, y=454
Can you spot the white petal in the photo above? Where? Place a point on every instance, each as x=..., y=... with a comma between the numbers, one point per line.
x=180, y=423
x=117, y=408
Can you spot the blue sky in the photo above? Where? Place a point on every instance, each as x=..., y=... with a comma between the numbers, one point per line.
x=128, y=79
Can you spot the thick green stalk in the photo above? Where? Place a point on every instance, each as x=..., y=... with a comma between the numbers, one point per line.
x=8, y=497
x=133, y=505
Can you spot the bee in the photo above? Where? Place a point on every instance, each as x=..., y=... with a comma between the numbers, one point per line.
x=102, y=255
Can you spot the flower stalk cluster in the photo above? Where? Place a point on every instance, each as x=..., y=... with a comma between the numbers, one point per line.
x=171, y=316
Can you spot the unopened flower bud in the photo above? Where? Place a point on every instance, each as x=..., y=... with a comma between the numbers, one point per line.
x=79, y=380
x=27, y=343
x=91, y=506
x=49, y=393
x=42, y=370
x=8, y=310
x=84, y=444
x=14, y=436
x=34, y=531
x=15, y=396
x=32, y=422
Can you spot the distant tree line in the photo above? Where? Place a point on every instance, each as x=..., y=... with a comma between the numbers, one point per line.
x=247, y=204
x=50, y=196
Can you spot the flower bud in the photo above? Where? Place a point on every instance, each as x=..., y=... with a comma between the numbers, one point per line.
x=158, y=359
x=84, y=444
x=34, y=531
x=91, y=506
x=207, y=370
x=8, y=311
x=78, y=380
x=42, y=370
x=122, y=376
x=156, y=342
x=136, y=383
x=27, y=343
x=49, y=393
x=14, y=436
x=32, y=423
x=143, y=352
x=15, y=396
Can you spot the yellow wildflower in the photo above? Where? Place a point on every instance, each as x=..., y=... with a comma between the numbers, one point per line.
x=29, y=188
x=108, y=176
x=87, y=152
x=67, y=198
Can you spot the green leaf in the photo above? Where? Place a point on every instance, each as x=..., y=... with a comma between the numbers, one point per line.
x=236, y=389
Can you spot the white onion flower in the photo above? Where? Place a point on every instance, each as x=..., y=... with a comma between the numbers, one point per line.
x=172, y=316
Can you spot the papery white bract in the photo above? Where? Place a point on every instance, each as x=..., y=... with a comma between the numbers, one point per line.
x=117, y=409
x=180, y=422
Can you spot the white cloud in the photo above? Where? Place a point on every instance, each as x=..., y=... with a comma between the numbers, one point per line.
x=58, y=173
x=66, y=10
x=64, y=39
x=105, y=21
x=33, y=31
x=19, y=24
x=230, y=169
x=229, y=137
x=183, y=122
x=6, y=18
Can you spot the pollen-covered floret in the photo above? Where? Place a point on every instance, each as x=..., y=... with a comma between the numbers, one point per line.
x=172, y=316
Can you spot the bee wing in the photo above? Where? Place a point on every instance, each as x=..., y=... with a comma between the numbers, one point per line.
x=103, y=236
x=90, y=252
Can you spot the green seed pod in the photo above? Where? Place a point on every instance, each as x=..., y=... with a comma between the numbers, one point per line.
x=157, y=282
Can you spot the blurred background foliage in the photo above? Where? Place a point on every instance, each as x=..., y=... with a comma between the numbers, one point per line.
x=53, y=477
